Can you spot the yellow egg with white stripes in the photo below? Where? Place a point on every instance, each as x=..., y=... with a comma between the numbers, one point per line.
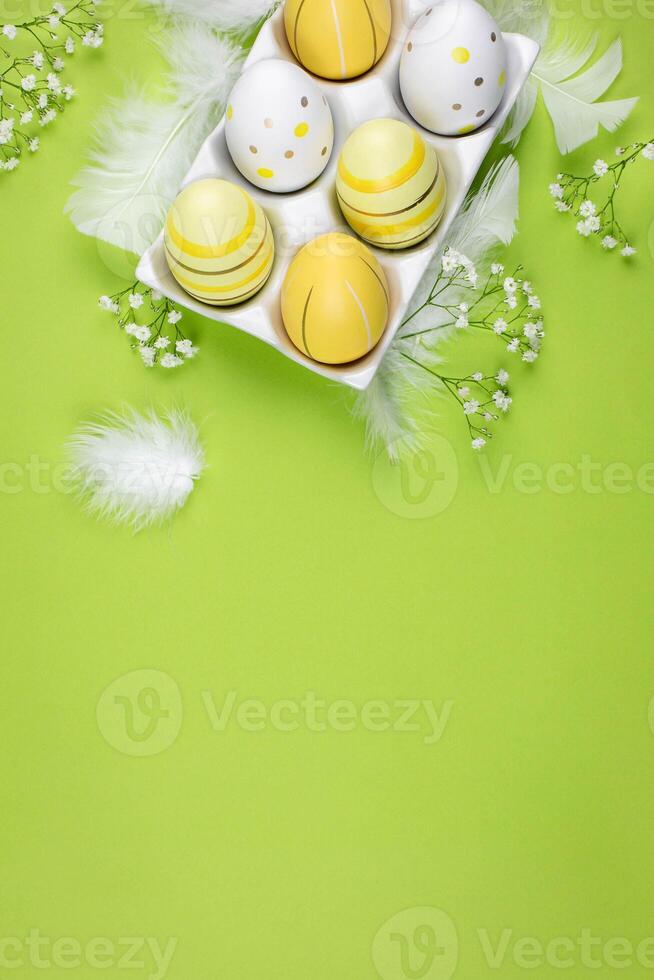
x=390, y=184
x=219, y=243
x=335, y=299
x=338, y=39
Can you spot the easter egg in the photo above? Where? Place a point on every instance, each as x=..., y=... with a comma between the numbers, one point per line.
x=335, y=299
x=338, y=38
x=219, y=243
x=279, y=127
x=390, y=184
x=453, y=68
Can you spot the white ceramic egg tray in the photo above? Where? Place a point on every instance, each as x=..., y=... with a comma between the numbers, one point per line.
x=299, y=217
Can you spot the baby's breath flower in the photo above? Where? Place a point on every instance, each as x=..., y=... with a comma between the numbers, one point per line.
x=502, y=400
x=478, y=443
x=627, y=251
x=28, y=83
x=48, y=117
x=530, y=356
x=171, y=361
x=186, y=348
x=69, y=46
x=600, y=217
x=34, y=144
x=482, y=399
x=143, y=315
x=556, y=190
x=6, y=131
x=148, y=355
x=9, y=31
x=38, y=60
x=42, y=101
x=461, y=322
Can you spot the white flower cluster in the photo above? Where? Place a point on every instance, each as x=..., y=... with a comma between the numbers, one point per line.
x=37, y=93
x=152, y=339
x=570, y=194
x=481, y=398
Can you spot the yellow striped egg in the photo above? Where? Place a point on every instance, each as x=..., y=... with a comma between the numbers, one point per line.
x=219, y=243
x=390, y=184
x=335, y=299
x=338, y=38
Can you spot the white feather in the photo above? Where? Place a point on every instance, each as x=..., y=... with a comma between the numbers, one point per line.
x=397, y=407
x=144, y=148
x=573, y=105
x=223, y=15
x=135, y=469
x=570, y=98
x=489, y=217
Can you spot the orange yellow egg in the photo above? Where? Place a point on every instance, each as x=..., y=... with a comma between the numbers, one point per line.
x=335, y=299
x=338, y=39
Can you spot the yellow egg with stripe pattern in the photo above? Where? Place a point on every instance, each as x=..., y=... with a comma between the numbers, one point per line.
x=338, y=39
x=219, y=243
x=390, y=184
x=335, y=299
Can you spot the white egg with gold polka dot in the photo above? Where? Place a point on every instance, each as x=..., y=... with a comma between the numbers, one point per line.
x=453, y=68
x=279, y=127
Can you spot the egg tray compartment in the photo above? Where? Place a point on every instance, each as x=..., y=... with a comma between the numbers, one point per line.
x=298, y=217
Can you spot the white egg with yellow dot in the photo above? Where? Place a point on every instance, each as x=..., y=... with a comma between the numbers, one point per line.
x=279, y=127
x=218, y=242
x=390, y=184
x=453, y=68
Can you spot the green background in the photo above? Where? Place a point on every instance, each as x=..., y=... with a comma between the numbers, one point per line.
x=296, y=567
